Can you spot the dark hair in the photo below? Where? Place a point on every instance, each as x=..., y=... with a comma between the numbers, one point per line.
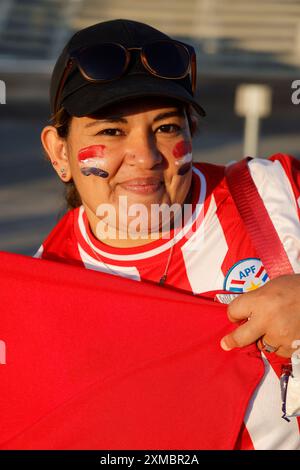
x=61, y=121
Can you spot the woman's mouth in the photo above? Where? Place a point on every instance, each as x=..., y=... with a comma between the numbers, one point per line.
x=142, y=185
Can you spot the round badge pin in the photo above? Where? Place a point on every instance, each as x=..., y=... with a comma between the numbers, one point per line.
x=246, y=275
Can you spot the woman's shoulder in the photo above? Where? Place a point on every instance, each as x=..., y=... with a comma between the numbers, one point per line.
x=60, y=244
x=279, y=162
x=279, y=172
x=280, y=165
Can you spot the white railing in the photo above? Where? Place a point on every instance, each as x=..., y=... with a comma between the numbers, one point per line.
x=245, y=37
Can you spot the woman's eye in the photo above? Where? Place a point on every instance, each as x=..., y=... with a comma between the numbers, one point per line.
x=169, y=128
x=110, y=132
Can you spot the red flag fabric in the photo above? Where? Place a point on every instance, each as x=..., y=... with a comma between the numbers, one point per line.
x=94, y=361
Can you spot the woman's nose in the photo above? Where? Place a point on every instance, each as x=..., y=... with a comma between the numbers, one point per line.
x=143, y=152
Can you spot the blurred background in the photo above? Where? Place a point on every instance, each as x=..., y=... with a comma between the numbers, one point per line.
x=238, y=42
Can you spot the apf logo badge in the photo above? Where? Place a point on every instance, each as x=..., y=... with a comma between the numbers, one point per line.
x=2, y=92
x=246, y=275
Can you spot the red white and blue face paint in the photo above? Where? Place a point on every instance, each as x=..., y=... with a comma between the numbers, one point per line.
x=91, y=161
x=182, y=153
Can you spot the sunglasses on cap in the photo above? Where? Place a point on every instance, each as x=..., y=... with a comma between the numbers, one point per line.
x=105, y=62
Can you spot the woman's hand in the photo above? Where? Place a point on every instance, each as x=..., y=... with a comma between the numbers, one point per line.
x=273, y=313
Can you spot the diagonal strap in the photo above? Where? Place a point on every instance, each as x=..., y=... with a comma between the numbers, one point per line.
x=257, y=220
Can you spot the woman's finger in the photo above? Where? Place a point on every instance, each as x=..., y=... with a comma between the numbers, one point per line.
x=249, y=332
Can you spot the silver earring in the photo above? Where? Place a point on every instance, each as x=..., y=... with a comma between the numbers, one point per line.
x=63, y=173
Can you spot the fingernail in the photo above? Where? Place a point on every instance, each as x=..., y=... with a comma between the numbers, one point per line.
x=224, y=346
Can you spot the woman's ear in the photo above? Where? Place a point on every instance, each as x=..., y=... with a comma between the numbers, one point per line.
x=56, y=149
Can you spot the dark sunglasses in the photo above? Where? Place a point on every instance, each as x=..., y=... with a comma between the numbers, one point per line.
x=171, y=60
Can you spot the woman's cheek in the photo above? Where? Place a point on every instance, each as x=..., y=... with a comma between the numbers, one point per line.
x=92, y=160
x=182, y=153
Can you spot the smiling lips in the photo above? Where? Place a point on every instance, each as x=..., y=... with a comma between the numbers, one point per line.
x=142, y=185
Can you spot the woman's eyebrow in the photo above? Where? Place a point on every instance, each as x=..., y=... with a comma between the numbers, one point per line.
x=168, y=114
x=111, y=119
x=114, y=119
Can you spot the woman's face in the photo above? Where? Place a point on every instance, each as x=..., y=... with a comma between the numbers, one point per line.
x=139, y=150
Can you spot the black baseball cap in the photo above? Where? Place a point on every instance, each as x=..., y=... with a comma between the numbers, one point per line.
x=81, y=97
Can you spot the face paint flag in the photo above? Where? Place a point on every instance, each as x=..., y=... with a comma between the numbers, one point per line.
x=91, y=160
x=182, y=153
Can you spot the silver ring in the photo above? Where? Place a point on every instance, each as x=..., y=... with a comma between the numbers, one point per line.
x=267, y=347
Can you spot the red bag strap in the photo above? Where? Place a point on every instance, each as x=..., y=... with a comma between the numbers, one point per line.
x=257, y=220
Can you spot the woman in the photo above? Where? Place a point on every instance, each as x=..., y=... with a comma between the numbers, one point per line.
x=121, y=140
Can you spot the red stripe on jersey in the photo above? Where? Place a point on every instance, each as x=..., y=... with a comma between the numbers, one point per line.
x=238, y=241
